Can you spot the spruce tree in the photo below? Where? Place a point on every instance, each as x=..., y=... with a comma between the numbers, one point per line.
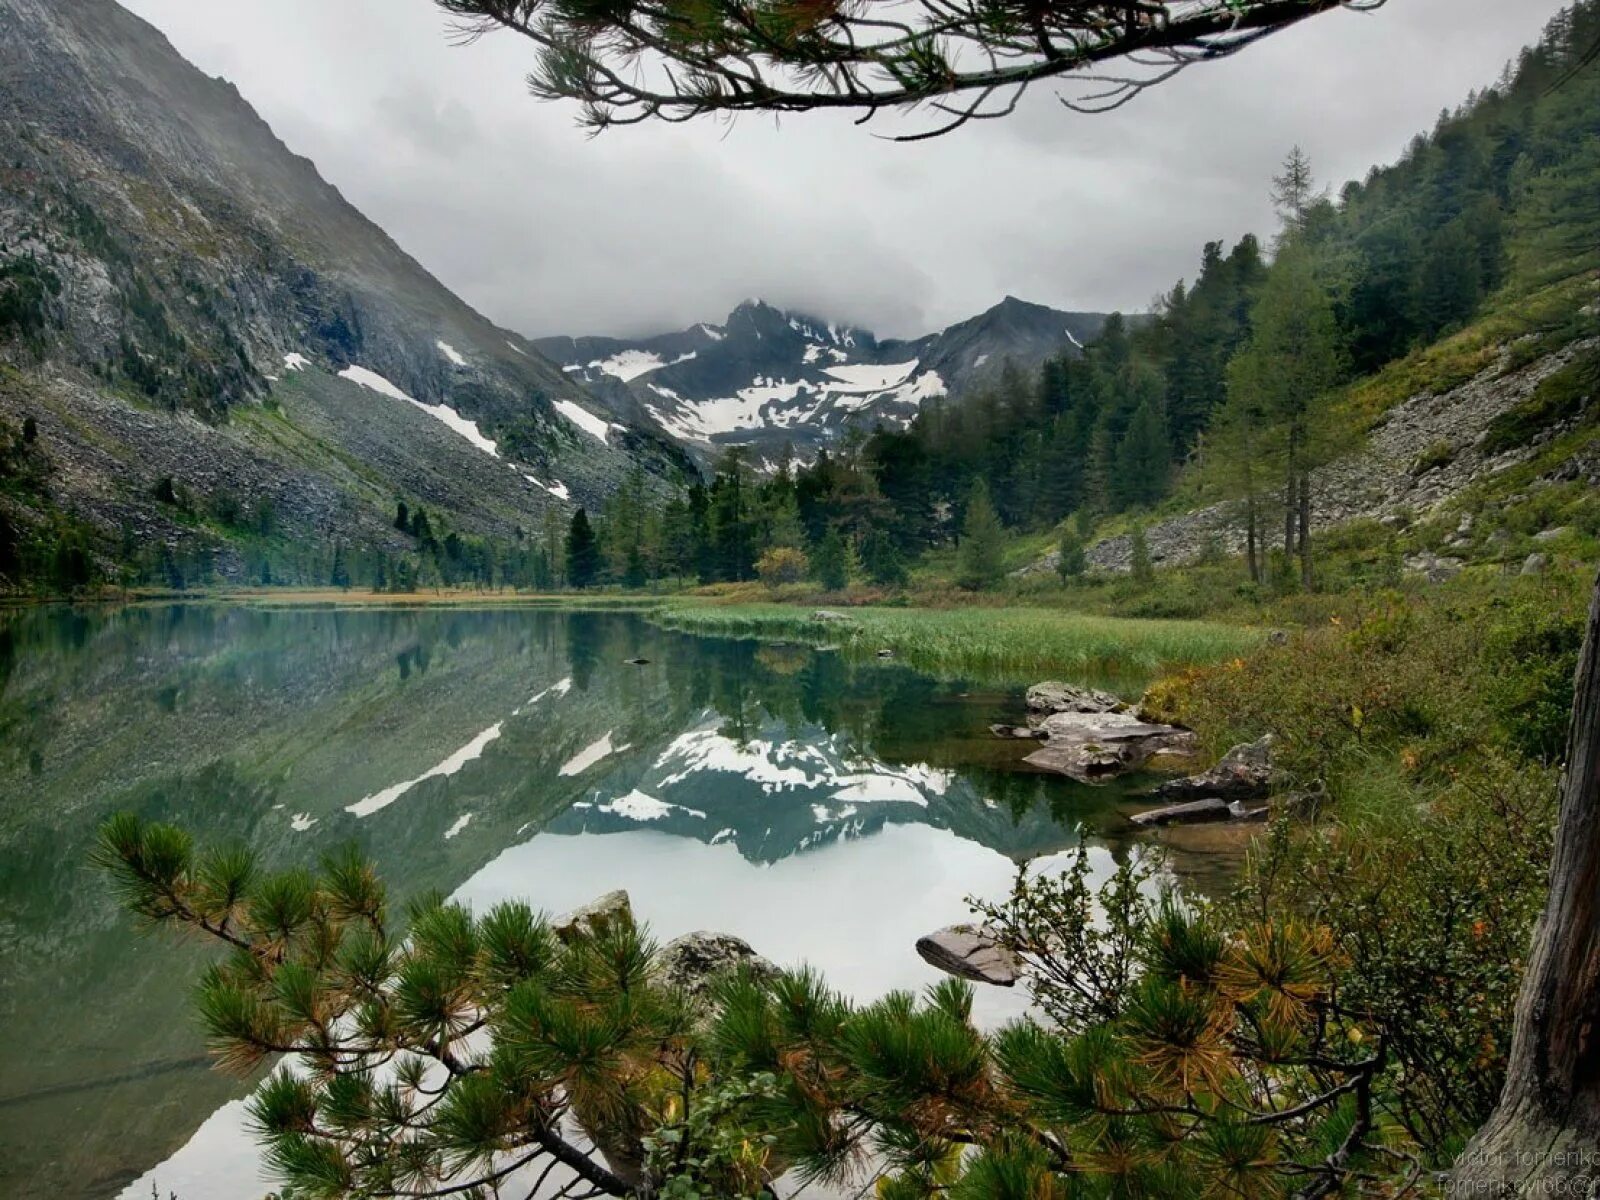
x=980, y=561
x=583, y=551
x=831, y=562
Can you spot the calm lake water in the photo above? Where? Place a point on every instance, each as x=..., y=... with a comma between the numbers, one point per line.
x=827, y=811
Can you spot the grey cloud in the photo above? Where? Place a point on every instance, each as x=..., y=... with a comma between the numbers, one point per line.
x=549, y=231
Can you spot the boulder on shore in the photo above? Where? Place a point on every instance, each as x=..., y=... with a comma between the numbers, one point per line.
x=1243, y=773
x=827, y=616
x=1054, y=696
x=1096, y=747
x=971, y=952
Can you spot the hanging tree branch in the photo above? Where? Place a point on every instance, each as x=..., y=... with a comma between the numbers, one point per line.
x=629, y=61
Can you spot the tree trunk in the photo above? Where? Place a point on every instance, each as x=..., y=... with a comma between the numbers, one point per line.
x=1305, y=529
x=1250, y=551
x=1544, y=1138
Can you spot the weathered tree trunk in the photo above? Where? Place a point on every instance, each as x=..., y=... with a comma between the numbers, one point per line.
x=1544, y=1138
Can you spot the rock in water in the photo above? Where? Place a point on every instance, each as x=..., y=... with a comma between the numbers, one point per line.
x=1017, y=732
x=1244, y=773
x=594, y=917
x=1194, y=812
x=1054, y=696
x=971, y=952
x=694, y=962
x=1096, y=747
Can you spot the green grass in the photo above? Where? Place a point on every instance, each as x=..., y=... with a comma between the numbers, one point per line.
x=1002, y=645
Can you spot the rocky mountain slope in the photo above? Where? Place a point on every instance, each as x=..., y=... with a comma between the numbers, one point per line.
x=182, y=296
x=767, y=376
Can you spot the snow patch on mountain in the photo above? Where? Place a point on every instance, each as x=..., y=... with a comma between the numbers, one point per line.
x=439, y=412
x=471, y=752
x=455, y=356
x=583, y=419
x=637, y=806
x=589, y=755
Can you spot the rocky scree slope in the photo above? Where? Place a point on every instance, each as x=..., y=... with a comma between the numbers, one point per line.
x=767, y=376
x=1424, y=456
x=181, y=295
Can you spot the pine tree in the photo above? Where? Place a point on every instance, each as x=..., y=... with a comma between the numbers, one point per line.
x=980, y=562
x=1073, y=558
x=831, y=561
x=402, y=517
x=1144, y=459
x=583, y=551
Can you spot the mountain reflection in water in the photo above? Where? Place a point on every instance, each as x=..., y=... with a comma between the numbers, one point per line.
x=828, y=811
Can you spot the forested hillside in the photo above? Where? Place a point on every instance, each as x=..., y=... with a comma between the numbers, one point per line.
x=1274, y=359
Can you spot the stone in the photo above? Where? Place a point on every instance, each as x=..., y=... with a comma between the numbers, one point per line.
x=1053, y=696
x=1096, y=747
x=1019, y=732
x=1433, y=567
x=636, y=662
x=594, y=917
x=695, y=962
x=827, y=616
x=1243, y=773
x=885, y=653
x=1550, y=535
x=1191, y=812
x=1278, y=637
x=1535, y=564
x=971, y=952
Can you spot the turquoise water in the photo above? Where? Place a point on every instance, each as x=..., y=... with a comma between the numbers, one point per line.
x=827, y=811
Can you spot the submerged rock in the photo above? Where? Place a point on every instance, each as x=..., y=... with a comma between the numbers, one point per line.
x=1096, y=747
x=971, y=952
x=594, y=917
x=1053, y=696
x=1244, y=773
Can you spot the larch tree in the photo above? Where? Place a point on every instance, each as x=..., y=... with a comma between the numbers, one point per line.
x=1291, y=362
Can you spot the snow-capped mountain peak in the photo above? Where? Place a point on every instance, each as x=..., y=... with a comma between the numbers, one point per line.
x=768, y=376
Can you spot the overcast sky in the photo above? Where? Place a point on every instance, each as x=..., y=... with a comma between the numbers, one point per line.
x=547, y=230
